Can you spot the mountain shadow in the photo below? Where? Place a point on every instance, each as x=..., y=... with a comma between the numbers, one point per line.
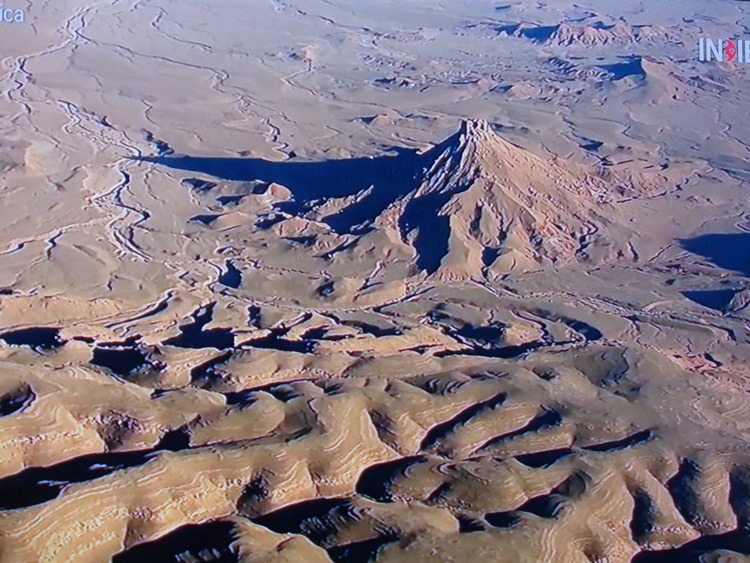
x=475, y=191
x=374, y=182
x=728, y=251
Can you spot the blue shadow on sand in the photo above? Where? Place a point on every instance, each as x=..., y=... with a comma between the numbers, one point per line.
x=730, y=251
x=372, y=183
x=312, y=182
x=717, y=299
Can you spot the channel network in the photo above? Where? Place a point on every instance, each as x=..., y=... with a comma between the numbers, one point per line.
x=724, y=50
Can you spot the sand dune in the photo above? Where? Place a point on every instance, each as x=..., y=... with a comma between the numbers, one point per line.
x=327, y=281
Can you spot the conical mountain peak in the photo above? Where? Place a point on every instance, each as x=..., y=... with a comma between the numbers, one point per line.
x=475, y=129
x=472, y=134
x=477, y=149
x=484, y=202
x=478, y=138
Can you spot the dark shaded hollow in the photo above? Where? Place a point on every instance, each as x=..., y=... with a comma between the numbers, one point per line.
x=363, y=551
x=693, y=551
x=717, y=299
x=547, y=458
x=548, y=505
x=483, y=336
x=16, y=400
x=123, y=360
x=204, y=219
x=193, y=336
x=727, y=251
x=375, y=481
x=283, y=392
x=275, y=341
x=315, y=519
x=198, y=185
x=739, y=495
x=682, y=488
x=231, y=276
x=548, y=418
x=41, y=338
x=36, y=485
x=209, y=541
x=440, y=431
x=627, y=442
x=313, y=181
x=642, y=520
x=502, y=352
x=587, y=331
x=630, y=66
x=205, y=373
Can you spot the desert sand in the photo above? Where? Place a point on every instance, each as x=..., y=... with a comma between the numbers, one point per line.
x=349, y=281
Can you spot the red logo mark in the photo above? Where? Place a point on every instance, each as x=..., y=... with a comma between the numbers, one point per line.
x=730, y=50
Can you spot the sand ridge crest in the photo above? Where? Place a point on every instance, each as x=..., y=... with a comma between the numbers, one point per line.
x=267, y=294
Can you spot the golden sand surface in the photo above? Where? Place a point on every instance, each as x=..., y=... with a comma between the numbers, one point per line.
x=315, y=280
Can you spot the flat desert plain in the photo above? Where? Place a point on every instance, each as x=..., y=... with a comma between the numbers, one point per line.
x=330, y=280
